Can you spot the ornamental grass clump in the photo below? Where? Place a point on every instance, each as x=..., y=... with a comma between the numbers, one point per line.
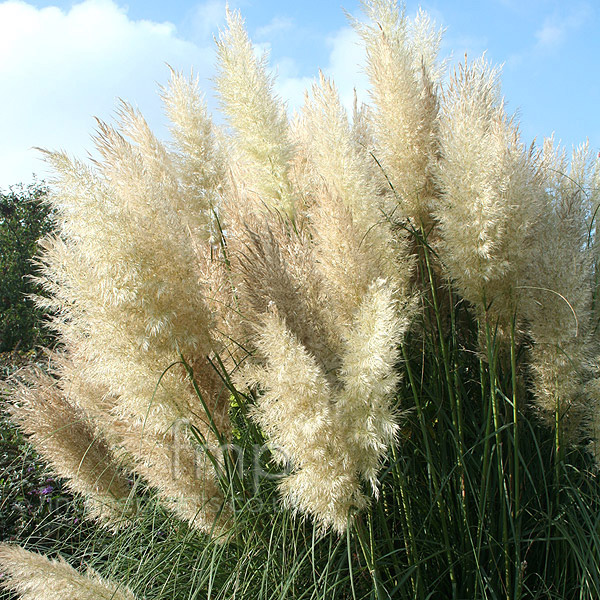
x=356, y=355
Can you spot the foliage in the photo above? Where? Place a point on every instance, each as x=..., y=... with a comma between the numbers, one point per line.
x=24, y=219
x=324, y=357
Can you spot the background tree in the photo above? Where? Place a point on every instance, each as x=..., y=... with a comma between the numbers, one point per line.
x=24, y=219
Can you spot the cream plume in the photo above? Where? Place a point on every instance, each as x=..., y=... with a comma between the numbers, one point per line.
x=404, y=75
x=75, y=450
x=35, y=577
x=257, y=116
x=491, y=195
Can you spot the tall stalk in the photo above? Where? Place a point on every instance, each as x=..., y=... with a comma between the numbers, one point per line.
x=517, y=464
x=491, y=350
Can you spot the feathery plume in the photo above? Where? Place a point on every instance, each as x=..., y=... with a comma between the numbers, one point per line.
x=490, y=195
x=127, y=287
x=369, y=379
x=35, y=577
x=296, y=412
x=257, y=116
x=199, y=159
x=560, y=286
x=404, y=75
x=332, y=429
x=76, y=451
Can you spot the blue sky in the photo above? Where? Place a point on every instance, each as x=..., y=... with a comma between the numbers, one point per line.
x=61, y=63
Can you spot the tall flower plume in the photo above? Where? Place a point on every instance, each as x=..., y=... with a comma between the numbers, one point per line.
x=68, y=440
x=490, y=195
x=127, y=276
x=35, y=577
x=404, y=74
x=560, y=282
x=332, y=429
x=257, y=116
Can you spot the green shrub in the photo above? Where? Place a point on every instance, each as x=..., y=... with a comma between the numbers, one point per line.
x=24, y=219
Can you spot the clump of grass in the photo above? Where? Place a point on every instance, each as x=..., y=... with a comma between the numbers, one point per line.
x=330, y=353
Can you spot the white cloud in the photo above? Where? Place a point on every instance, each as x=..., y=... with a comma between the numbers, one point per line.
x=555, y=29
x=59, y=68
x=550, y=34
x=345, y=66
x=277, y=25
x=207, y=18
x=289, y=85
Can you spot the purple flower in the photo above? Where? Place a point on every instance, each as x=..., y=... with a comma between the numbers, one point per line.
x=47, y=490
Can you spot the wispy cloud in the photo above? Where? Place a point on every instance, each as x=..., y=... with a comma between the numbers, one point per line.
x=345, y=65
x=59, y=68
x=556, y=28
x=550, y=34
x=207, y=18
x=277, y=25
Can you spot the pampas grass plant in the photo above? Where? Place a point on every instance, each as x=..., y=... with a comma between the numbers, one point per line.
x=337, y=356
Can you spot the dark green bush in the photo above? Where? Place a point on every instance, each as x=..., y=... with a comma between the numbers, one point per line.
x=24, y=219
